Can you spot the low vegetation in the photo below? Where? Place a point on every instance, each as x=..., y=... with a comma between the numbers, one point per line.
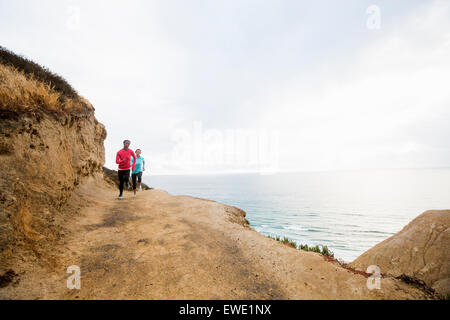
x=322, y=250
x=38, y=72
x=27, y=86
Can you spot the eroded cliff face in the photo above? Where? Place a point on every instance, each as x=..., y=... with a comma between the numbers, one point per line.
x=44, y=156
x=420, y=250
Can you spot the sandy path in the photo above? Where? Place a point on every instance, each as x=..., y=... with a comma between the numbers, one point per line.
x=159, y=246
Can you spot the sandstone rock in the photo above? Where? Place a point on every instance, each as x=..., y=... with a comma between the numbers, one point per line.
x=46, y=151
x=421, y=250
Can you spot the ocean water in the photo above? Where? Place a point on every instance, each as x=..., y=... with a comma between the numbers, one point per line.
x=348, y=211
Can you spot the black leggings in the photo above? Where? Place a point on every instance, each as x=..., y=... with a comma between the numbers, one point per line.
x=133, y=178
x=124, y=176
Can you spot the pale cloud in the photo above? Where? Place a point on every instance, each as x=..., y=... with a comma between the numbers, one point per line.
x=360, y=115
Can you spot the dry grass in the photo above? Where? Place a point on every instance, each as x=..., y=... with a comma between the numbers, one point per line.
x=40, y=73
x=24, y=93
x=26, y=86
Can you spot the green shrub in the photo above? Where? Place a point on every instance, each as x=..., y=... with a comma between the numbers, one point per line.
x=323, y=251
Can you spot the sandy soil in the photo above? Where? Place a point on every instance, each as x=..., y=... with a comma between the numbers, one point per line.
x=159, y=246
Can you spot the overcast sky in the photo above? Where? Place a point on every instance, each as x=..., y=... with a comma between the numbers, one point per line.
x=231, y=86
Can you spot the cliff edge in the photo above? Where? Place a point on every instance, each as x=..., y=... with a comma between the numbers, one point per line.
x=420, y=250
x=160, y=246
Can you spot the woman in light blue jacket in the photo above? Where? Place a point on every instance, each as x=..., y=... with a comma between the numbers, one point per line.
x=139, y=167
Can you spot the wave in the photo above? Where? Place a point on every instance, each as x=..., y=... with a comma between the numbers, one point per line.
x=295, y=227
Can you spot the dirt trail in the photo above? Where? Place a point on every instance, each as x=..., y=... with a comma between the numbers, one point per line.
x=159, y=246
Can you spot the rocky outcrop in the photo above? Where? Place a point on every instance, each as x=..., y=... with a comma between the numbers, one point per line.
x=49, y=144
x=420, y=250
